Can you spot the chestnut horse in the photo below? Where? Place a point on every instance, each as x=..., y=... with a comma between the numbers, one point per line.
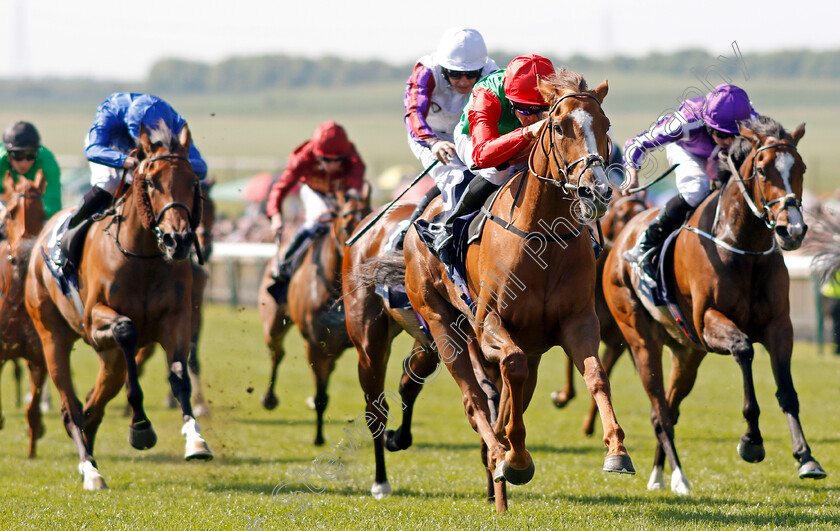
x=553, y=286
x=372, y=325
x=619, y=213
x=313, y=293
x=204, y=236
x=24, y=218
x=135, y=282
x=731, y=285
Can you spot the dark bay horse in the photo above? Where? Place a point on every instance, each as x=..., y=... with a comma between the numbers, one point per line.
x=372, y=325
x=532, y=286
x=135, y=282
x=618, y=214
x=24, y=218
x=313, y=292
x=731, y=285
x=200, y=275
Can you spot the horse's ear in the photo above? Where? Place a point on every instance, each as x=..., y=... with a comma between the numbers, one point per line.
x=185, y=137
x=549, y=93
x=8, y=182
x=366, y=192
x=602, y=90
x=40, y=181
x=798, y=134
x=749, y=134
x=145, y=141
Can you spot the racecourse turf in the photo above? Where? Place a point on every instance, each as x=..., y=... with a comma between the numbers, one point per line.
x=439, y=482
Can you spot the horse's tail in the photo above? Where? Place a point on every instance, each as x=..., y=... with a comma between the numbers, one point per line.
x=823, y=242
x=387, y=269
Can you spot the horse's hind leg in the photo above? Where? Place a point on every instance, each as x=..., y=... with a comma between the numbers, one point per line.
x=780, y=346
x=275, y=326
x=563, y=397
x=417, y=367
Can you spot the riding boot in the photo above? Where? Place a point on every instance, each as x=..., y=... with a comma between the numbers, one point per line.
x=71, y=240
x=282, y=271
x=421, y=207
x=477, y=192
x=669, y=218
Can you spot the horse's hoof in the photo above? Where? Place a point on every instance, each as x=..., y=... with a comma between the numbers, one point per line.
x=749, y=451
x=319, y=441
x=2, y=422
x=380, y=490
x=310, y=402
x=560, y=399
x=620, y=463
x=512, y=475
x=269, y=401
x=679, y=483
x=811, y=470
x=201, y=410
x=196, y=449
x=657, y=479
x=142, y=438
x=91, y=478
x=394, y=441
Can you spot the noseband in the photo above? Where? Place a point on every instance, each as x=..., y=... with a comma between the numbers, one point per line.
x=173, y=204
x=589, y=160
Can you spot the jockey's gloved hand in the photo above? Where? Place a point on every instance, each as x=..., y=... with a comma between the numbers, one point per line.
x=443, y=151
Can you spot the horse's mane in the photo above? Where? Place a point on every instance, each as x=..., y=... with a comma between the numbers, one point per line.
x=164, y=136
x=741, y=147
x=823, y=242
x=142, y=202
x=564, y=80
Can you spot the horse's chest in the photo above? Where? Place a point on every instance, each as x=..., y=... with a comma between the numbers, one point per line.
x=159, y=293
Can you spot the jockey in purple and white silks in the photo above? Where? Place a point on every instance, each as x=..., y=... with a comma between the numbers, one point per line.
x=693, y=137
x=435, y=96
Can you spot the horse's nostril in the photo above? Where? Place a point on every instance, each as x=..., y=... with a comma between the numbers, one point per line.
x=168, y=240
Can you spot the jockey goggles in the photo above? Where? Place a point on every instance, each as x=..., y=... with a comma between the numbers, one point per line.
x=723, y=135
x=529, y=110
x=329, y=159
x=22, y=155
x=457, y=74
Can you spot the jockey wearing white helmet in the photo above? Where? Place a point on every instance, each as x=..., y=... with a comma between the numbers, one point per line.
x=435, y=96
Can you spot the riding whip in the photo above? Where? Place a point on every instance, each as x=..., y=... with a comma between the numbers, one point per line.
x=648, y=185
x=372, y=222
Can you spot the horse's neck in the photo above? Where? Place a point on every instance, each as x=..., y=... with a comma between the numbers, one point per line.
x=737, y=225
x=540, y=205
x=132, y=235
x=328, y=258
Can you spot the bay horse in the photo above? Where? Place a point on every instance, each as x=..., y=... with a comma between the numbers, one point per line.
x=135, y=281
x=24, y=218
x=730, y=284
x=313, y=293
x=372, y=325
x=618, y=214
x=537, y=234
x=200, y=275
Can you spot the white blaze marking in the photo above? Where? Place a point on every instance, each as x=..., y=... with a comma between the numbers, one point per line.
x=783, y=163
x=584, y=121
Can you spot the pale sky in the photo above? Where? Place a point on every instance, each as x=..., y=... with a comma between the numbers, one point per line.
x=119, y=39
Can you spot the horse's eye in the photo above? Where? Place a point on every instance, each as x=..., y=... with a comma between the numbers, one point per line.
x=558, y=129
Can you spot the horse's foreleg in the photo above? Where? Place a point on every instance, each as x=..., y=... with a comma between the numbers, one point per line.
x=200, y=278
x=608, y=359
x=275, y=325
x=580, y=339
x=323, y=364
x=110, y=330
x=37, y=376
x=722, y=335
x=780, y=346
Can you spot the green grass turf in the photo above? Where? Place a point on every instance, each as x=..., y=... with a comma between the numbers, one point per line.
x=439, y=482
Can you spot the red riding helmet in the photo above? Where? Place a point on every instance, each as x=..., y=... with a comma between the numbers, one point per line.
x=330, y=140
x=521, y=79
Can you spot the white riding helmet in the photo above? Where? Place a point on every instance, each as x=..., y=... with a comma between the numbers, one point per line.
x=461, y=49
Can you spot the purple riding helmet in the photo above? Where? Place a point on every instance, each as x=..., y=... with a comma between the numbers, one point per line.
x=725, y=107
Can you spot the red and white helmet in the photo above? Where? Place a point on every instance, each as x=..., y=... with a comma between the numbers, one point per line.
x=461, y=49
x=520, y=81
x=330, y=140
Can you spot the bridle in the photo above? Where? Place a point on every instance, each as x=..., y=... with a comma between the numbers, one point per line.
x=589, y=160
x=765, y=214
